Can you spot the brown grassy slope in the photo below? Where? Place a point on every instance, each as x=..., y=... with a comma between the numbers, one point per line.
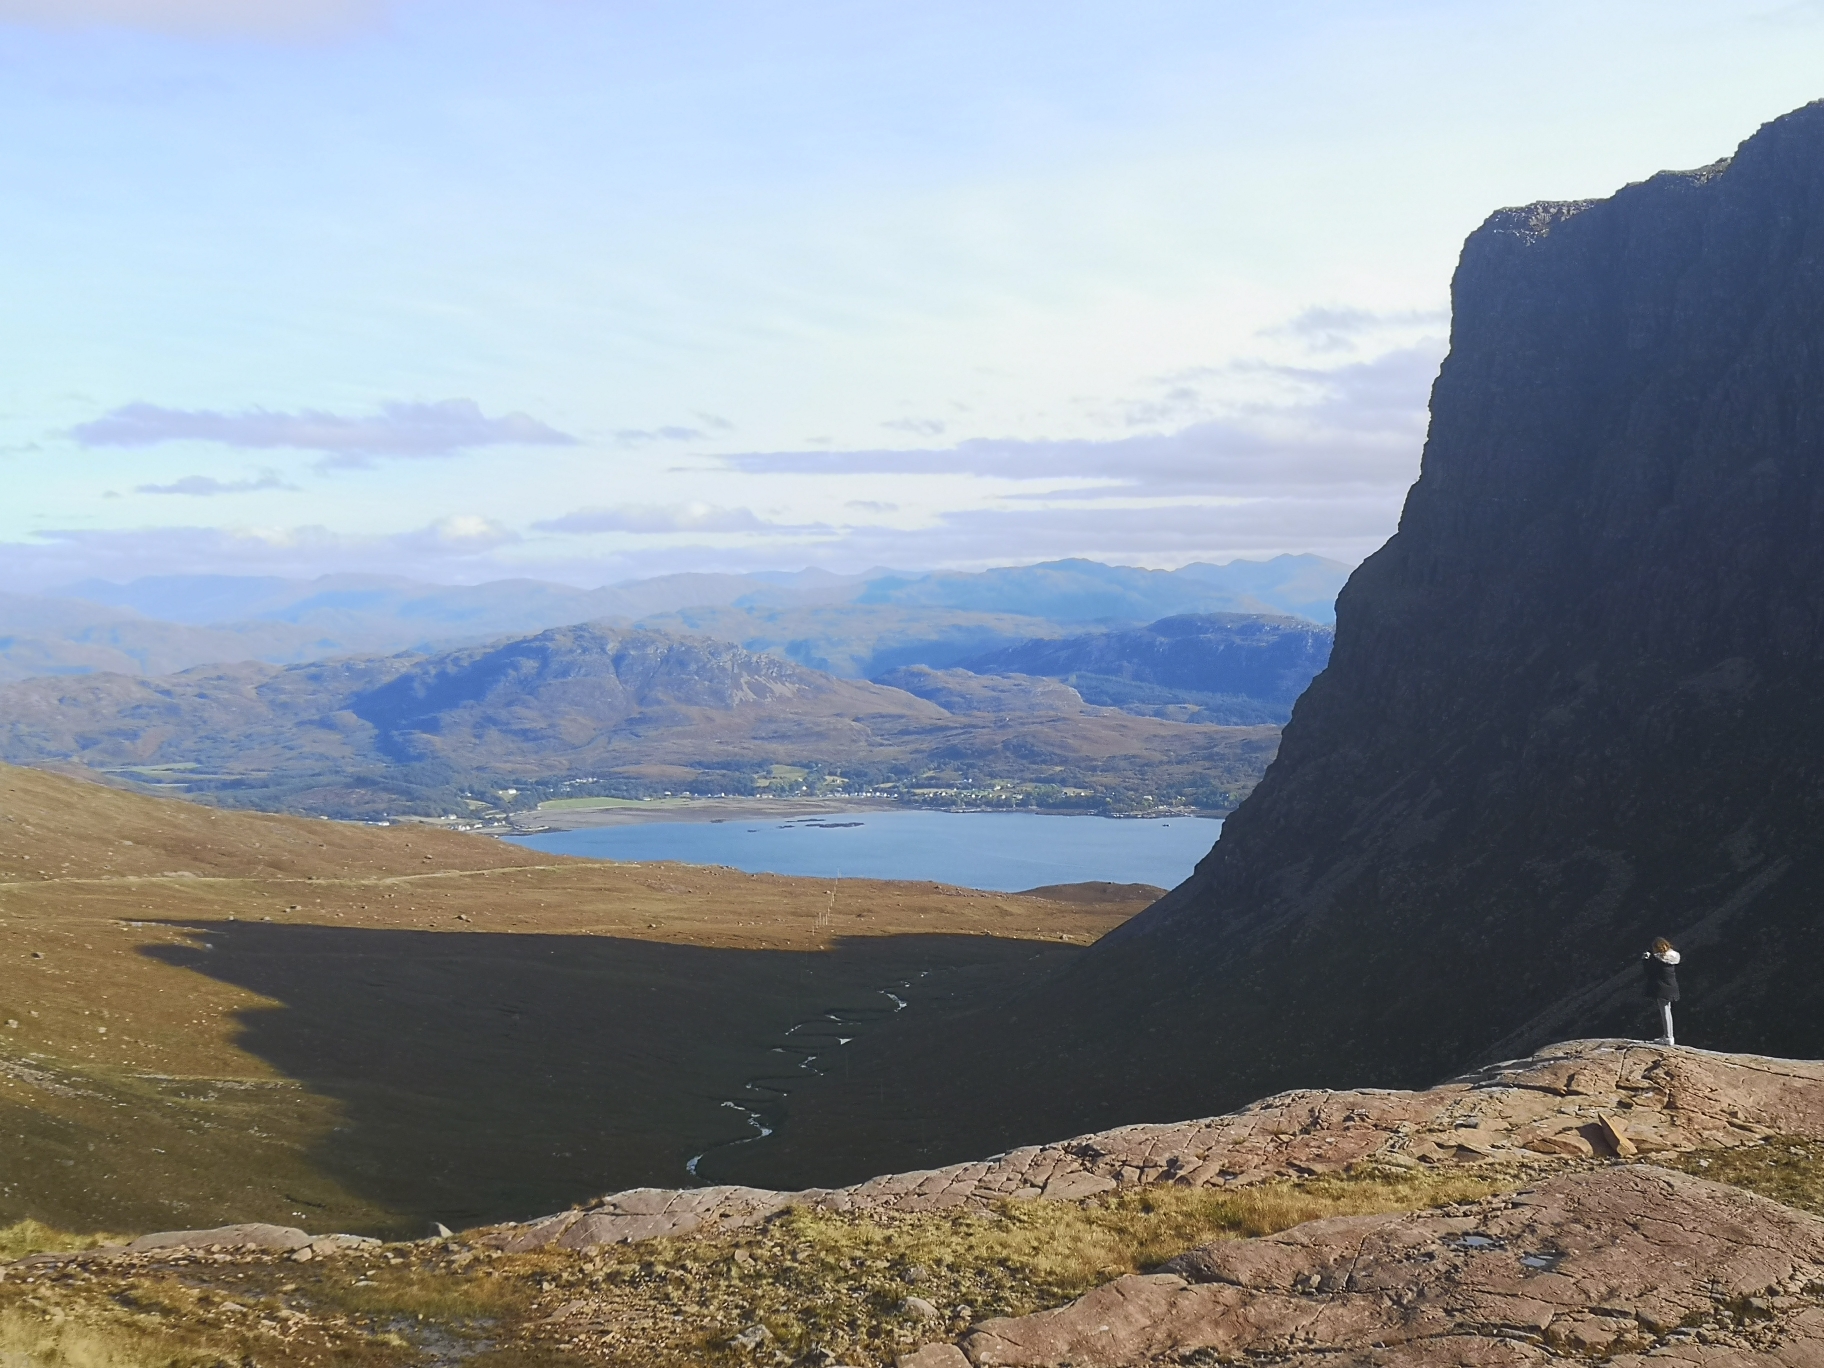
x=54, y=827
x=210, y=1016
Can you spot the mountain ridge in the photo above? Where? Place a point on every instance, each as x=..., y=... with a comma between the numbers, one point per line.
x=592, y=710
x=830, y=622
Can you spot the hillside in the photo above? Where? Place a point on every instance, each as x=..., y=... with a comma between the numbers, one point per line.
x=210, y=1016
x=1573, y=705
x=591, y=710
x=1230, y=669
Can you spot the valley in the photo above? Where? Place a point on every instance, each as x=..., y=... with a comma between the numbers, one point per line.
x=210, y=1016
x=1362, y=1090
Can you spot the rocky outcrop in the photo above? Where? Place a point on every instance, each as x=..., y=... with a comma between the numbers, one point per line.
x=1633, y=1262
x=1577, y=1101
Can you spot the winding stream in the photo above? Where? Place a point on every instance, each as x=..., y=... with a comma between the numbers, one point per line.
x=817, y=1027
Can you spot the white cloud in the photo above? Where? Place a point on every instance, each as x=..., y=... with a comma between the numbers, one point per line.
x=1321, y=463
x=398, y=429
x=463, y=534
x=1342, y=329
x=1358, y=425
x=205, y=486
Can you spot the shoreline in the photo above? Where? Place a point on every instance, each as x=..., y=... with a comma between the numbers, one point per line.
x=709, y=810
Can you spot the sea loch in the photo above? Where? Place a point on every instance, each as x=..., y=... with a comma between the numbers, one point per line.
x=999, y=851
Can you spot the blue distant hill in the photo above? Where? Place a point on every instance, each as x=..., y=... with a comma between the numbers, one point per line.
x=855, y=626
x=1230, y=669
x=1088, y=591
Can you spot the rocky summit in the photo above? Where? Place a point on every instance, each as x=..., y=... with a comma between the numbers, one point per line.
x=1573, y=705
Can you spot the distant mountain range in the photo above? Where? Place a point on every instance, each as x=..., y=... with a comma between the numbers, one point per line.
x=601, y=710
x=1232, y=669
x=855, y=626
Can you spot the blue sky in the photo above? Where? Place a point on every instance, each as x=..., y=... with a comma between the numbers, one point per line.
x=588, y=290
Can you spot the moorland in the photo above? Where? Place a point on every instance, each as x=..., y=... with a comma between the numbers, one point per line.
x=209, y=1016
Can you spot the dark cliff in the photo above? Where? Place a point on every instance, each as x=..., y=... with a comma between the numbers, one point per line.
x=1576, y=702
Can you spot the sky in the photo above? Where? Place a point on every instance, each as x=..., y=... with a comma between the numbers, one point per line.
x=587, y=290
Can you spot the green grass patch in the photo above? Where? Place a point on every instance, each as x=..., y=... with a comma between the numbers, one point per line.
x=1787, y=1168
x=34, y=1237
x=600, y=804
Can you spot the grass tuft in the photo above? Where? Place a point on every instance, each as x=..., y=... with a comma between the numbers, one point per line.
x=1789, y=1169
x=819, y=1280
x=34, y=1237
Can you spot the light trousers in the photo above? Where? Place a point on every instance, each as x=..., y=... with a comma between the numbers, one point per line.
x=1665, y=1014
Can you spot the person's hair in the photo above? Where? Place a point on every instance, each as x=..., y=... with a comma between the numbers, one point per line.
x=1661, y=945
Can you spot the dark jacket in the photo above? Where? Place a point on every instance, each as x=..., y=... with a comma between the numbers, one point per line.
x=1662, y=978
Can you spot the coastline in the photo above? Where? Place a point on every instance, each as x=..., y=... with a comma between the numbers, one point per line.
x=690, y=810
x=773, y=809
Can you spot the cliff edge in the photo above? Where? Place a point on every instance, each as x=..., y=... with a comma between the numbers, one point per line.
x=1574, y=703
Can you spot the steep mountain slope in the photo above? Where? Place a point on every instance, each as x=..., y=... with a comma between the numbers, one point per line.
x=616, y=709
x=1227, y=668
x=1574, y=704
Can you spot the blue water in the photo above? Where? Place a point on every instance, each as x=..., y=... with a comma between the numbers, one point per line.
x=1002, y=851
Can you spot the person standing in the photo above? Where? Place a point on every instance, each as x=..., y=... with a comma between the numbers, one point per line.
x=1661, y=966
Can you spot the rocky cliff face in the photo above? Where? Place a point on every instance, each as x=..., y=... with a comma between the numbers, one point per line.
x=1575, y=703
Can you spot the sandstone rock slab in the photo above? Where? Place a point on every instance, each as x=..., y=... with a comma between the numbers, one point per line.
x=1597, y=1263
x=1572, y=1103
x=247, y=1236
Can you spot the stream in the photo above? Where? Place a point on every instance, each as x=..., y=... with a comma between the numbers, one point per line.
x=825, y=1026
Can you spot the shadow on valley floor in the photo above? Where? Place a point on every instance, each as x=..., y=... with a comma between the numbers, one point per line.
x=485, y=1077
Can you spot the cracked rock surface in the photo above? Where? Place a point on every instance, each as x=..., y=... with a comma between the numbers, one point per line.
x=1628, y=1263
x=1576, y=1101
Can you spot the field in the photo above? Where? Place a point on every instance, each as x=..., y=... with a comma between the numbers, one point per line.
x=210, y=1016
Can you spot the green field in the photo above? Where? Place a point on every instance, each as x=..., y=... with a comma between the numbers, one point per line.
x=597, y=804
